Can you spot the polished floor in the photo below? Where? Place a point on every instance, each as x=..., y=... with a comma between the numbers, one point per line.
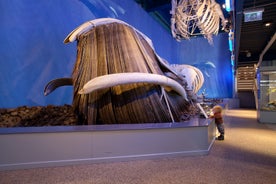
x=247, y=155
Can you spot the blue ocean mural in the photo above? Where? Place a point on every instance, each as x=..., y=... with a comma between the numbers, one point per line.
x=32, y=49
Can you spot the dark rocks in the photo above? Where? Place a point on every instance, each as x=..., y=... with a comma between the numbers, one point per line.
x=50, y=115
x=38, y=116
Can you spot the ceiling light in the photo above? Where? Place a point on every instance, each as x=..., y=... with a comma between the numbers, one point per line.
x=267, y=24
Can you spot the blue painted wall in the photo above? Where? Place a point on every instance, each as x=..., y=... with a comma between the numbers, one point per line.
x=214, y=62
x=32, y=51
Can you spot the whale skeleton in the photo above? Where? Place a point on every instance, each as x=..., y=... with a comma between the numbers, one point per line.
x=188, y=15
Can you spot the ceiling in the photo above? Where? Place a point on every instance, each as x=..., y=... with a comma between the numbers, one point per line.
x=251, y=38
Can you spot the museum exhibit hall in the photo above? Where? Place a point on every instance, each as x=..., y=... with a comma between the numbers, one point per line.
x=138, y=91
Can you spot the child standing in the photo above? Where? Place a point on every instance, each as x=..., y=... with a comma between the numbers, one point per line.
x=217, y=115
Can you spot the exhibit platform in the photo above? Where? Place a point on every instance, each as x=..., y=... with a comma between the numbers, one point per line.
x=32, y=147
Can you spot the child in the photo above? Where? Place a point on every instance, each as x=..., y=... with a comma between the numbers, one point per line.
x=217, y=115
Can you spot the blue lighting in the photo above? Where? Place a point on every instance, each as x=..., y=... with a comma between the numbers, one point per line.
x=228, y=5
x=232, y=62
x=230, y=44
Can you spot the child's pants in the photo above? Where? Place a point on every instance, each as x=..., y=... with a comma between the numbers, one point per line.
x=220, y=127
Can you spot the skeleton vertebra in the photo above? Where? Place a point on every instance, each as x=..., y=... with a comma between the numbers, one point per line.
x=188, y=15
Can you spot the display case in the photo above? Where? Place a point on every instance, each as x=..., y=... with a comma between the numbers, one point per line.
x=267, y=94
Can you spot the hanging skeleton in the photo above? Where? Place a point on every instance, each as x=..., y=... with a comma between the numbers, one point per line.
x=118, y=78
x=192, y=16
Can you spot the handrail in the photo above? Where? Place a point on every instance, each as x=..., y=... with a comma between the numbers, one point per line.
x=272, y=40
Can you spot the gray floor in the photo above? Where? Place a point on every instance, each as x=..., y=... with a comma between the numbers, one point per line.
x=247, y=155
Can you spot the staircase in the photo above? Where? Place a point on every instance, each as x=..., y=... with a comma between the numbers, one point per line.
x=247, y=86
x=245, y=78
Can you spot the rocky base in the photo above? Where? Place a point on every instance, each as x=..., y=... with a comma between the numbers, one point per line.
x=59, y=115
x=38, y=116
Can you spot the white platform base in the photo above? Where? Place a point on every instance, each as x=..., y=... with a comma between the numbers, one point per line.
x=22, y=148
x=266, y=116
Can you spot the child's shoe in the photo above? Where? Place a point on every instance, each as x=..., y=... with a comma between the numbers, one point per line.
x=220, y=138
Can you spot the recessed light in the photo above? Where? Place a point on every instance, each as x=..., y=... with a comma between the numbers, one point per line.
x=267, y=24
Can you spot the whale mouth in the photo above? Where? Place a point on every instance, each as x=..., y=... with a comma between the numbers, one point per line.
x=118, y=77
